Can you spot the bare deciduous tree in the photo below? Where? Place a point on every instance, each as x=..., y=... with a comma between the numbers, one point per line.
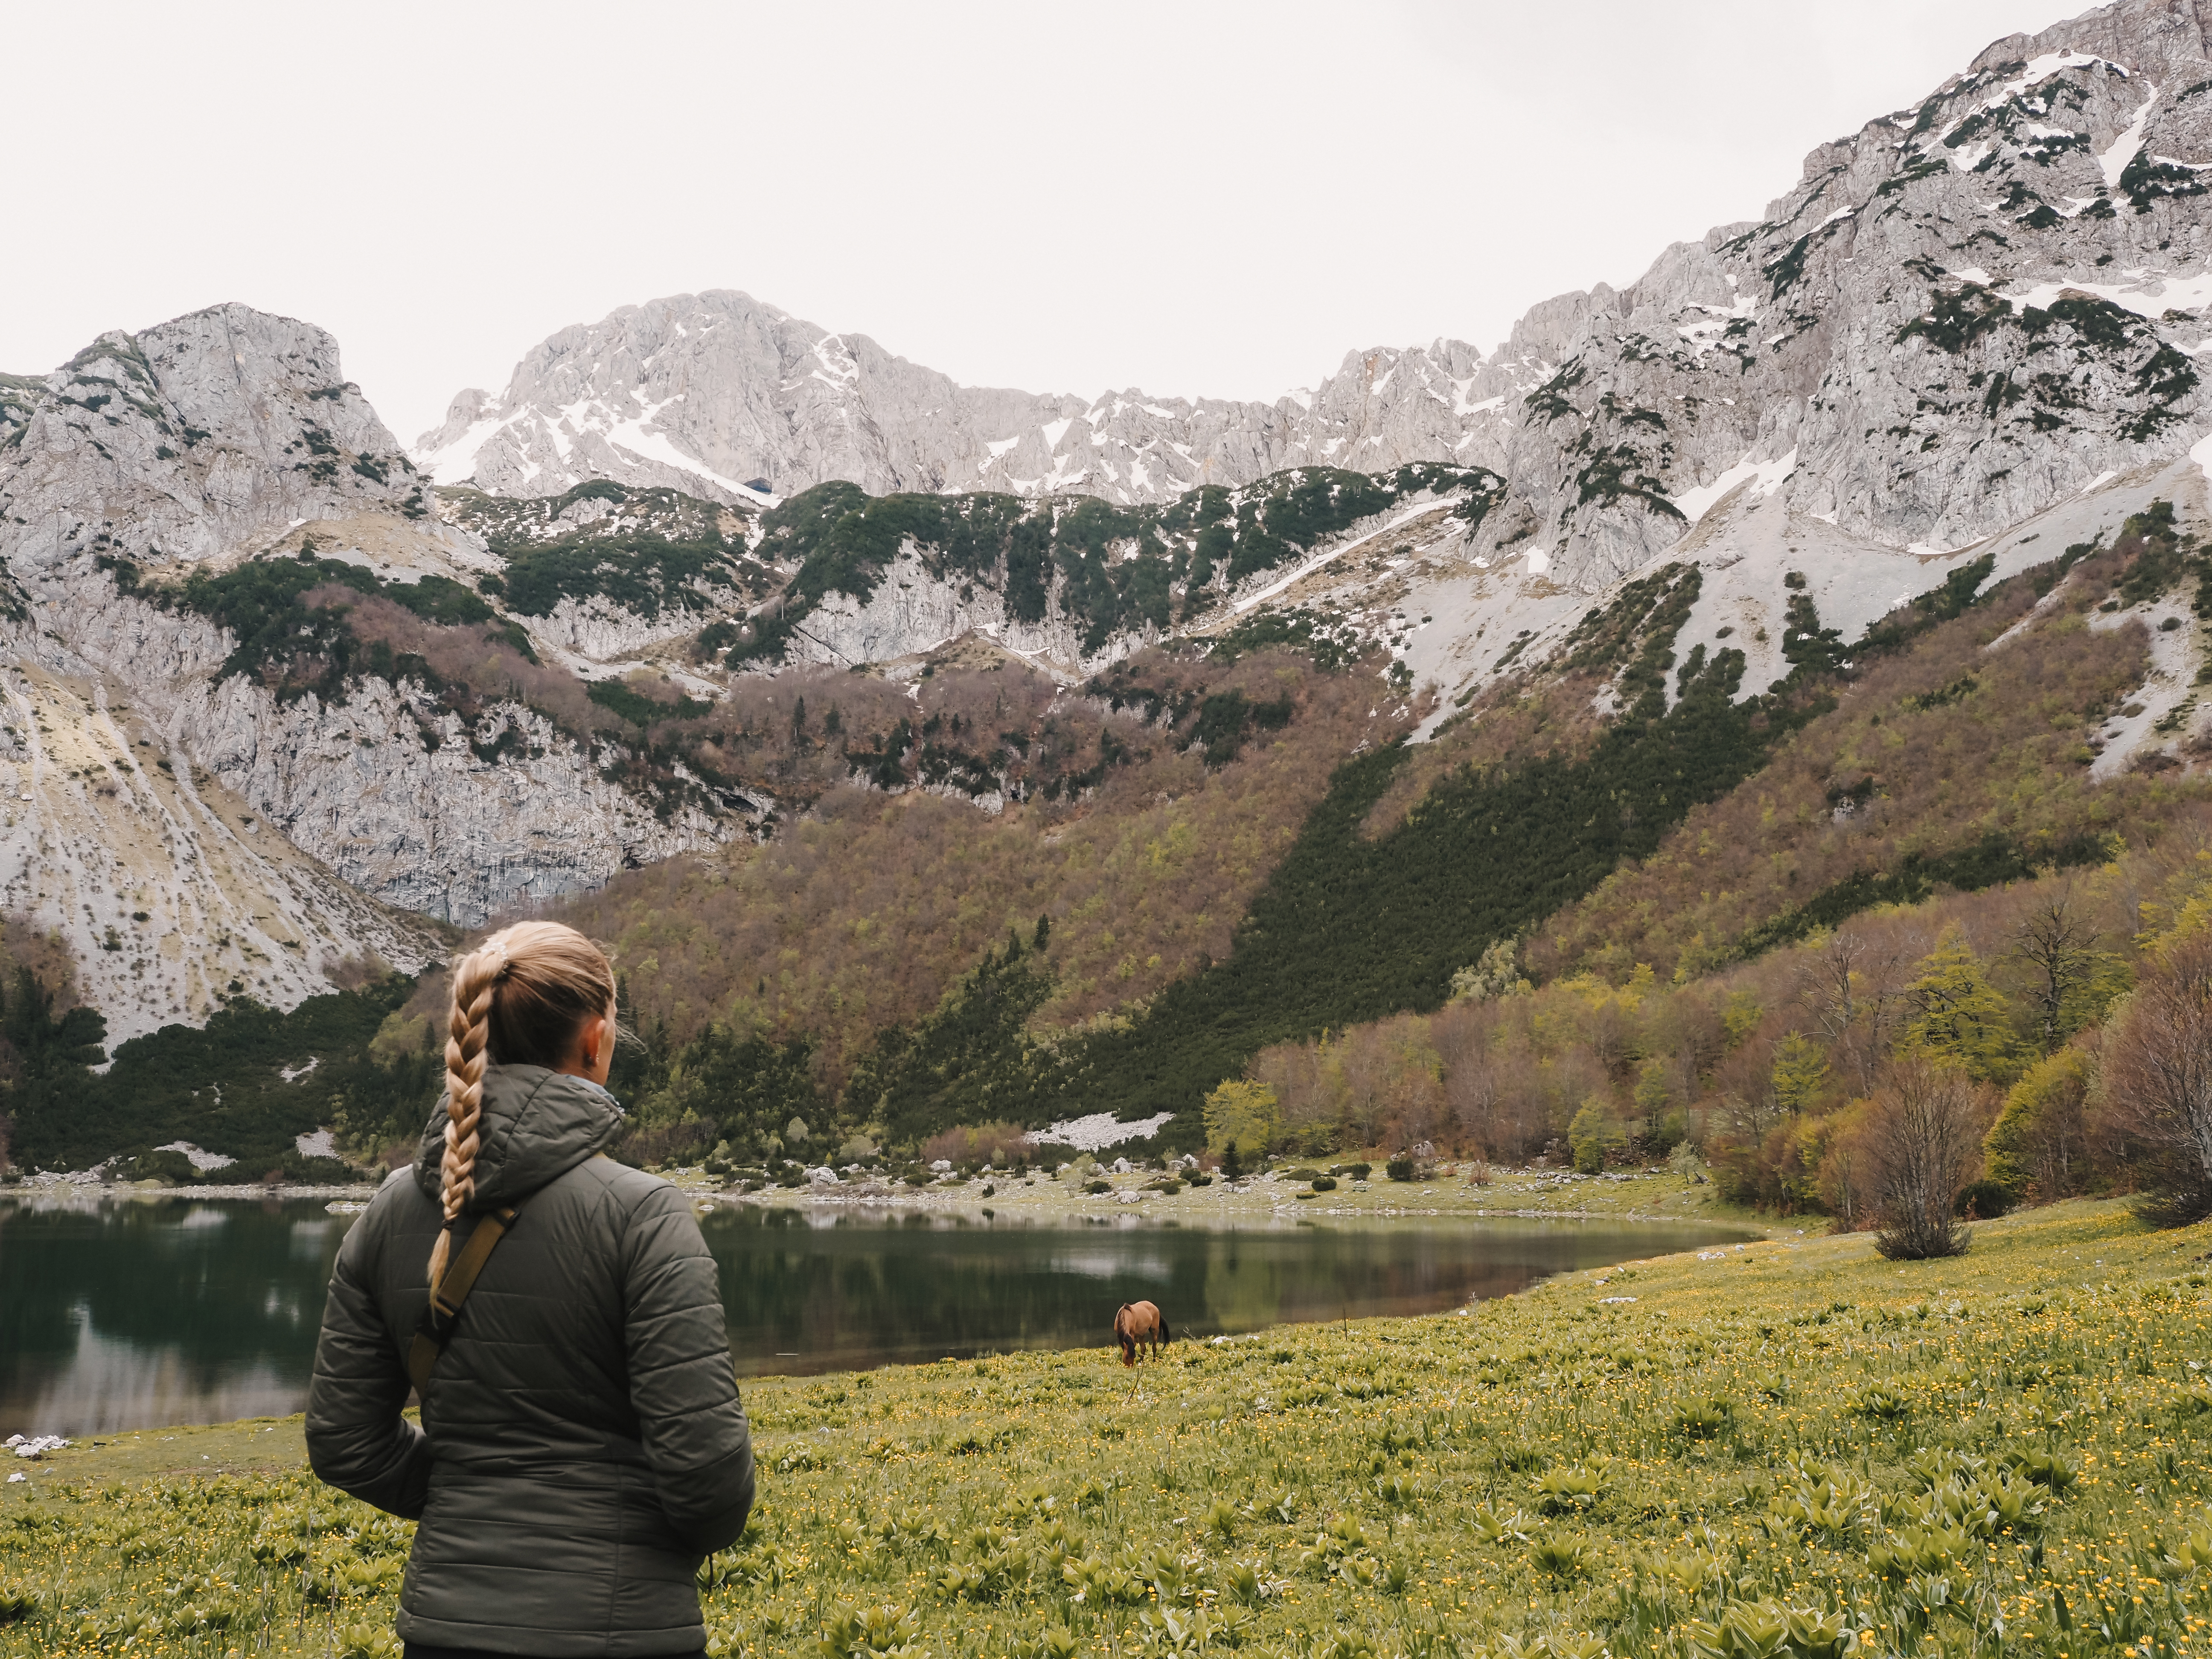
x=1856, y=994
x=2158, y=1074
x=2056, y=942
x=1922, y=1139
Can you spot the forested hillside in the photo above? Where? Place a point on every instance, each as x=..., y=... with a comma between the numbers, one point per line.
x=1957, y=762
x=1108, y=570
x=1199, y=868
x=1534, y=821
x=1924, y=924
x=1170, y=789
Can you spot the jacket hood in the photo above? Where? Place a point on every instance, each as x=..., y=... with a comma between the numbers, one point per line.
x=536, y=1125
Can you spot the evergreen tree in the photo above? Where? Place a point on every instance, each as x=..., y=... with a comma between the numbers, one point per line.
x=1801, y=1066
x=1592, y=1135
x=968, y=1061
x=1960, y=1019
x=2038, y=1147
x=1653, y=1094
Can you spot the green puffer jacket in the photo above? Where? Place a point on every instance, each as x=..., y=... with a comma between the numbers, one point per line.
x=583, y=1444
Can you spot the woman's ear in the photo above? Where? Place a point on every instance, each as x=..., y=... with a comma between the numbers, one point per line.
x=595, y=1046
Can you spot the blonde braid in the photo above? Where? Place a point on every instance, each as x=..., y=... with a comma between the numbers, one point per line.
x=475, y=981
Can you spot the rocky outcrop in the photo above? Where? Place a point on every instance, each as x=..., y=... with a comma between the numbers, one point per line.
x=441, y=829
x=1958, y=316
x=913, y=609
x=195, y=824
x=191, y=440
x=1962, y=314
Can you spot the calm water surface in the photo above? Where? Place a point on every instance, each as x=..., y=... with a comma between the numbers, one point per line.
x=133, y=1313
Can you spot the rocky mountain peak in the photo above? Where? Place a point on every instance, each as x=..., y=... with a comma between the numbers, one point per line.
x=190, y=439
x=718, y=394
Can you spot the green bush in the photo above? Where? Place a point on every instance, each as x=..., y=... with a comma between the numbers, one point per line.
x=172, y=1167
x=1402, y=1168
x=1096, y=1187
x=1324, y=1183
x=1987, y=1199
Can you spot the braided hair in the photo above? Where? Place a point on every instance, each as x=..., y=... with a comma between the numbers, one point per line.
x=518, y=999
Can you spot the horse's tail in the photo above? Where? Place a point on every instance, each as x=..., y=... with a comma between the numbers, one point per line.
x=1166, y=1336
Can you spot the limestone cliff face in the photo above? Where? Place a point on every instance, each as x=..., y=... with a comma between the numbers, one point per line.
x=184, y=823
x=441, y=830
x=911, y=610
x=172, y=890
x=1957, y=316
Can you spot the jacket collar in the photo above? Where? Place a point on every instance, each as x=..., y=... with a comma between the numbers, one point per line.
x=536, y=1125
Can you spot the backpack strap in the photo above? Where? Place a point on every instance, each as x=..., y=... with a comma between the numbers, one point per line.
x=435, y=1328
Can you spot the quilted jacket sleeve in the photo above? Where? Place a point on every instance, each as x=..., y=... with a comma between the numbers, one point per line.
x=357, y=1438
x=683, y=1389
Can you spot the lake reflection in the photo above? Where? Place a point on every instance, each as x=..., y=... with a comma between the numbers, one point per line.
x=122, y=1313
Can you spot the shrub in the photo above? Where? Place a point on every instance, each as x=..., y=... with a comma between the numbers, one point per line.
x=172, y=1167
x=1324, y=1183
x=1402, y=1168
x=1097, y=1186
x=1923, y=1137
x=987, y=1142
x=1592, y=1136
x=1986, y=1201
x=2157, y=1077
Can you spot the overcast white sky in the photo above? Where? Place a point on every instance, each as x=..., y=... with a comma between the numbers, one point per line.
x=1216, y=199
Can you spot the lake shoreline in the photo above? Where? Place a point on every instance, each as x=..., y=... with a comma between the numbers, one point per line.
x=1650, y=1197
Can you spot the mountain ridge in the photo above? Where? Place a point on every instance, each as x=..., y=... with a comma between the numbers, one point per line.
x=1613, y=413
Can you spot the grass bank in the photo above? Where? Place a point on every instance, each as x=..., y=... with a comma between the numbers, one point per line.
x=1788, y=1448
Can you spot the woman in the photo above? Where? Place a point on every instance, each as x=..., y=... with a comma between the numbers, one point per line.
x=582, y=1442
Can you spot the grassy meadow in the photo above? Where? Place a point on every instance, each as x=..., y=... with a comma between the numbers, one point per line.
x=1786, y=1449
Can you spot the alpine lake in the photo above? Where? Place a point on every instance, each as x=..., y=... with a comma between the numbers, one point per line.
x=127, y=1312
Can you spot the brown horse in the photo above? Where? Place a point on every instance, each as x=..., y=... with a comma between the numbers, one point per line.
x=1138, y=1323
